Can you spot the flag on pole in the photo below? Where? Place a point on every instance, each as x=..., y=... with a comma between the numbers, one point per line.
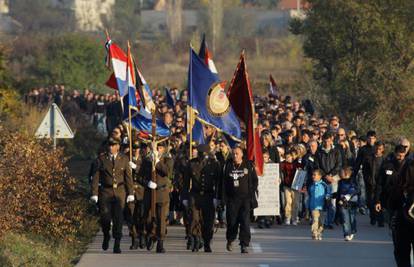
x=117, y=58
x=205, y=55
x=273, y=90
x=207, y=97
x=241, y=98
x=169, y=99
x=125, y=78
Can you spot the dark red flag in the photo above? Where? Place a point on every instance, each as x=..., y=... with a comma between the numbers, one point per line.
x=241, y=99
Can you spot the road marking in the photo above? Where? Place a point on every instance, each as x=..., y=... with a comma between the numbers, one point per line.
x=257, y=248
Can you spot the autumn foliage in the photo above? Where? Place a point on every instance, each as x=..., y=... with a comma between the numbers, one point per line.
x=37, y=193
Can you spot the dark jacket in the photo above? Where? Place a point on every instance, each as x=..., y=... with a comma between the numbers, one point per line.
x=202, y=178
x=246, y=176
x=364, y=156
x=329, y=162
x=387, y=179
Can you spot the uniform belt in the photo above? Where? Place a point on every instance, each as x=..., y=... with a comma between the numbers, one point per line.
x=112, y=186
x=161, y=187
x=137, y=185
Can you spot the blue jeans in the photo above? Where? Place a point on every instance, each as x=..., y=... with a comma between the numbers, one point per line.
x=331, y=209
x=349, y=220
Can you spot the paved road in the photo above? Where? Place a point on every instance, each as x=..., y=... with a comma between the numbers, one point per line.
x=280, y=246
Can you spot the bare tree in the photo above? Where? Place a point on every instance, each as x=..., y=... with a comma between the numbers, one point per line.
x=174, y=20
x=216, y=17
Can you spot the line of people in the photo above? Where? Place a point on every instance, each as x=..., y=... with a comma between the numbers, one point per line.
x=346, y=173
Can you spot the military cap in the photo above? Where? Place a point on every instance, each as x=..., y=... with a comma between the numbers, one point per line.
x=114, y=141
x=203, y=148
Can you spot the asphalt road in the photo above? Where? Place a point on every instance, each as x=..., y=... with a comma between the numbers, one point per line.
x=279, y=246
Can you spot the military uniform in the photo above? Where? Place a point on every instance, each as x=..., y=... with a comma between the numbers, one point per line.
x=111, y=183
x=136, y=208
x=164, y=170
x=200, y=189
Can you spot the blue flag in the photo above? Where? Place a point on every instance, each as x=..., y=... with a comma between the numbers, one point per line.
x=198, y=132
x=207, y=97
x=169, y=99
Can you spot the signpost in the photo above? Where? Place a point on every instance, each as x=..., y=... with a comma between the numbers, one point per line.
x=268, y=200
x=54, y=126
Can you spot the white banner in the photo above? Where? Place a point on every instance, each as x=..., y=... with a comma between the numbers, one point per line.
x=268, y=200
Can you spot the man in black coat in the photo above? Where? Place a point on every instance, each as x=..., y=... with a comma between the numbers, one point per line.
x=388, y=177
x=240, y=188
x=330, y=162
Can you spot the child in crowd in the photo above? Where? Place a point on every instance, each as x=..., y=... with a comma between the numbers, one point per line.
x=318, y=194
x=288, y=170
x=347, y=201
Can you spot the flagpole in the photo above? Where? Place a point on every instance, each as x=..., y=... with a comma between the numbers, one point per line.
x=153, y=172
x=129, y=106
x=191, y=131
x=130, y=133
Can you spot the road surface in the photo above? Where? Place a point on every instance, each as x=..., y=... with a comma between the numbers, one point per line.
x=279, y=246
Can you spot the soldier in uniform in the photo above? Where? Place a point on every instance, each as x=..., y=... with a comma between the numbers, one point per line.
x=223, y=155
x=201, y=194
x=240, y=188
x=156, y=230
x=180, y=168
x=136, y=208
x=111, y=184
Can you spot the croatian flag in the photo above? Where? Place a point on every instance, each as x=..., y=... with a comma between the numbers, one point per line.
x=117, y=58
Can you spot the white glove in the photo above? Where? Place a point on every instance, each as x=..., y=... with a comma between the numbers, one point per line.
x=132, y=165
x=152, y=185
x=185, y=203
x=130, y=198
x=347, y=197
x=216, y=202
x=94, y=199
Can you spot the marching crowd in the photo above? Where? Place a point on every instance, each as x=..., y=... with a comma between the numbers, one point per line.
x=347, y=174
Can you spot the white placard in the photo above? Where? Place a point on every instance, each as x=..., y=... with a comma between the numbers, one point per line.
x=268, y=200
x=299, y=179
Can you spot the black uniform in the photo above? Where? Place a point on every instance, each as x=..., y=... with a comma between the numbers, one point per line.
x=402, y=224
x=200, y=188
x=239, y=186
x=111, y=182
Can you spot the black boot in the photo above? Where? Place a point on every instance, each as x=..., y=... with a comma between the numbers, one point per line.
x=196, y=244
x=207, y=247
x=189, y=242
x=229, y=246
x=160, y=247
x=134, y=243
x=243, y=249
x=141, y=242
x=105, y=243
x=117, y=246
x=150, y=243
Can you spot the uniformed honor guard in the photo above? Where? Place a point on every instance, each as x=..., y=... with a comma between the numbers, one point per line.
x=136, y=208
x=240, y=188
x=201, y=195
x=156, y=227
x=111, y=184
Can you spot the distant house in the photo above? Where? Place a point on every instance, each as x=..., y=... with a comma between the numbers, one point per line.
x=294, y=7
